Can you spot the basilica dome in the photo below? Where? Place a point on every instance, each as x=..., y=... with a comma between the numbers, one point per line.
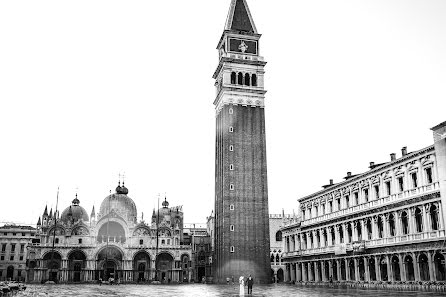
x=119, y=203
x=74, y=212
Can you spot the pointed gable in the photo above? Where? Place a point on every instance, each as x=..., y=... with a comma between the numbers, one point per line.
x=239, y=17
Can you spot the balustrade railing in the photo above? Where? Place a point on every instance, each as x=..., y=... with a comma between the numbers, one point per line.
x=371, y=204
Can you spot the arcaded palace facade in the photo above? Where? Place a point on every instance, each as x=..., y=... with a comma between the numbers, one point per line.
x=386, y=224
x=113, y=243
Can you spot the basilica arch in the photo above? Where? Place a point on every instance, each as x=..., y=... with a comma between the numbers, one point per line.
x=164, y=266
x=76, y=265
x=109, y=262
x=52, y=262
x=113, y=230
x=141, y=266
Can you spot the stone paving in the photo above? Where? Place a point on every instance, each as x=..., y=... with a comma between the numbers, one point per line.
x=201, y=290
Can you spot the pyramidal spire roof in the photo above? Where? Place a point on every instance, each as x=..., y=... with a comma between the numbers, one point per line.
x=239, y=17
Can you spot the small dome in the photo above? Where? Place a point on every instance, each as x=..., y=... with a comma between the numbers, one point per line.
x=74, y=212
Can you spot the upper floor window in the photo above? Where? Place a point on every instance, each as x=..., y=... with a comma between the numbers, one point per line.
x=233, y=78
x=418, y=220
x=414, y=178
x=303, y=214
x=3, y=247
x=80, y=241
x=57, y=240
x=429, y=178
x=22, y=248
x=13, y=247
x=254, y=80
x=376, y=191
x=279, y=236
x=339, y=203
x=366, y=195
x=240, y=78
x=347, y=201
x=356, y=198
x=400, y=184
x=316, y=211
x=330, y=206
x=388, y=187
x=247, y=79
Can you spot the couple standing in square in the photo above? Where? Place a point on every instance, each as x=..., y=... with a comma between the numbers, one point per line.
x=249, y=282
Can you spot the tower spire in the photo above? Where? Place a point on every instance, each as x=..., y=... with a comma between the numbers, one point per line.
x=239, y=17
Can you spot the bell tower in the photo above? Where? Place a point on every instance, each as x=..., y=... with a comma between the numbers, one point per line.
x=242, y=244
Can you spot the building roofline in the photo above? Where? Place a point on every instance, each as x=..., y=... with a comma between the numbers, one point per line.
x=370, y=172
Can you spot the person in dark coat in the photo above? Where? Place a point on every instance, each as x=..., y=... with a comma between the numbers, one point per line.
x=250, y=282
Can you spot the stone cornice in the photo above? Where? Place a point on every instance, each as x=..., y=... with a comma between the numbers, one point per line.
x=224, y=60
x=368, y=173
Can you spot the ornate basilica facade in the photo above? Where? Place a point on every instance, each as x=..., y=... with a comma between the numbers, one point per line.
x=76, y=247
x=384, y=225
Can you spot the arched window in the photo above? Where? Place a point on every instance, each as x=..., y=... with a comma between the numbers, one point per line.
x=279, y=236
x=240, y=78
x=254, y=80
x=277, y=259
x=349, y=233
x=333, y=238
x=247, y=79
x=272, y=258
x=434, y=217
x=380, y=227
x=391, y=225
x=369, y=229
x=233, y=78
x=359, y=231
x=419, y=220
x=405, y=222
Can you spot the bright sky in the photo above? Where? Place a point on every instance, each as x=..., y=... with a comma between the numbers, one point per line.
x=89, y=89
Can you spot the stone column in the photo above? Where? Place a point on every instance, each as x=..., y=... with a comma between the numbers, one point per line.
x=389, y=268
x=430, y=261
x=364, y=229
x=337, y=235
x=366, y=269
x=338, y=268
x=329, y=239
x=357, y=276
x=386, y=225
x=307, y=234
x=355, y=230
x=440, y=216
x=416, y=267
x=427, y=218
x=324, y=277
x=374, y=227
x=411, y=214
x=316, y=272
x=304, y=272
x=347, y=270
x=377, y=268
x=402, y=267
x=397, y=218
x=330, y=268
x=344, y=232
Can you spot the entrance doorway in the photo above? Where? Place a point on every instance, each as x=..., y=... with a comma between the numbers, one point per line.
x=10, y=273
